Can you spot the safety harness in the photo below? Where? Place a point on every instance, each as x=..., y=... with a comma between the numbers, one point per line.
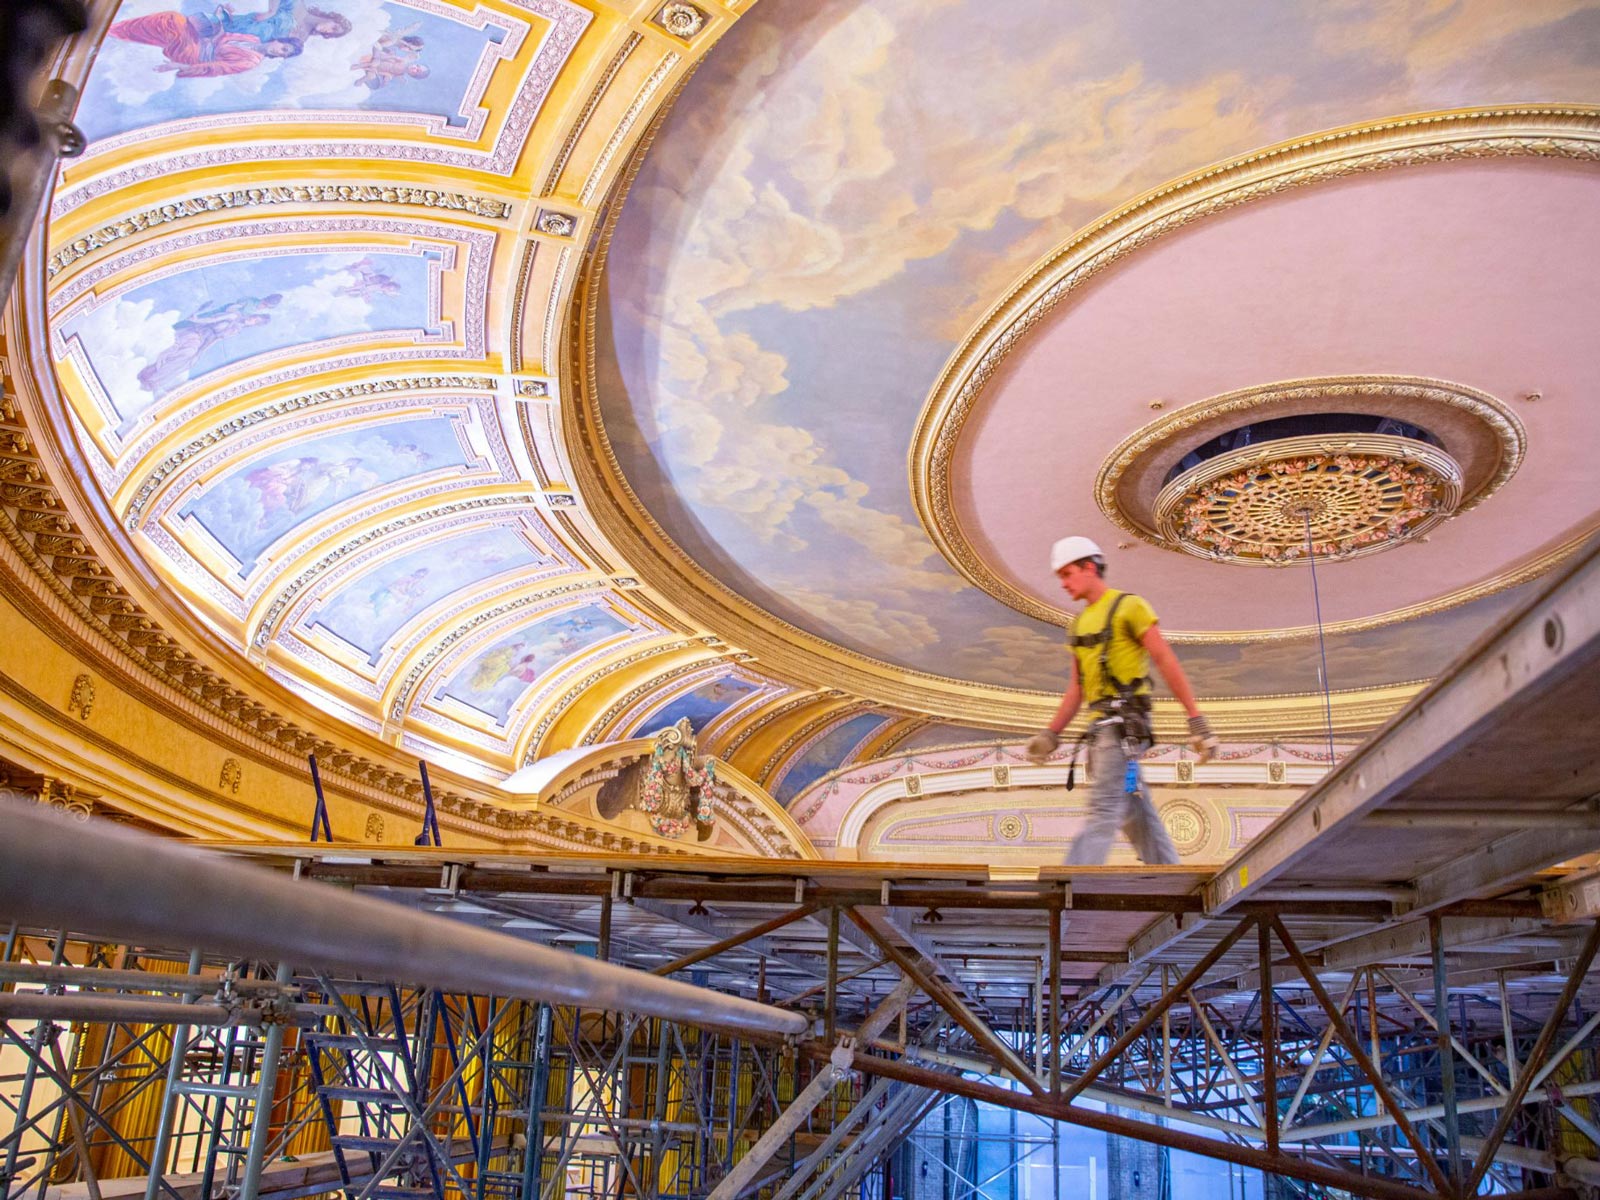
x=1128, y=707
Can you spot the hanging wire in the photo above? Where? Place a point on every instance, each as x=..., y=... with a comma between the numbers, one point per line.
x=1322, y=646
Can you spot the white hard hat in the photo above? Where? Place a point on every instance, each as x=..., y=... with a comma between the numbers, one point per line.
x=1071, y=549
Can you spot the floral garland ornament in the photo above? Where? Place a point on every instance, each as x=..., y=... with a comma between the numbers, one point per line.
x=679, y=788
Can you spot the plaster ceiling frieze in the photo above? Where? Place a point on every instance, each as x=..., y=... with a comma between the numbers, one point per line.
x=499, y=149
x=580, y=122
x=721, y=731
x=324, y=660
x=538, y=423
x=621, y=718
x=415, y=651
x=779, y=760
x=827, y=749
x=484, y=682
x=235, y=560
x=179, y=401
x=1570, y=133
x=762, y=724
x=659, y=693
x=204, y=207
x=516, y=318
x=712, y=700
x=555, y=306
x=620, y=133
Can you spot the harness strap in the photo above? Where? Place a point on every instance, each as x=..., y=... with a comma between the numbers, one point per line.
x=1102, y=638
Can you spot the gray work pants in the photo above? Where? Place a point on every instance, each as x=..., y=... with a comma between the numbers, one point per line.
x=1111, y=808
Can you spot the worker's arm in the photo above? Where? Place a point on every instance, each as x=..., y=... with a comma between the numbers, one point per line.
x=1201, y=737
x=1042, y=744
x=1167, y=663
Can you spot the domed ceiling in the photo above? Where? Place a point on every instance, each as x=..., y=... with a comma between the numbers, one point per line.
x=486, y=381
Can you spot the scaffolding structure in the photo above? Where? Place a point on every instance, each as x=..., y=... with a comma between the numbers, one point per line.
x=1389, y=993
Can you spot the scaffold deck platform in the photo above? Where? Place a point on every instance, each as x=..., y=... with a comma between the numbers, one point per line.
x=1372, y=995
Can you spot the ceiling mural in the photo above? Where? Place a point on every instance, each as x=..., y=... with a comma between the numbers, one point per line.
x=344, y=56
x=309, y=329
x=843, y=741
x=367, y=611
x=847, y=189
x=702, y=705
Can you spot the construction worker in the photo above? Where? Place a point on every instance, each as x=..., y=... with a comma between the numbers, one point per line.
x=1114, y=640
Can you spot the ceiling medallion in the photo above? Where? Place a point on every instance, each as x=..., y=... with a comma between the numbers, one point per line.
x=1343, y=497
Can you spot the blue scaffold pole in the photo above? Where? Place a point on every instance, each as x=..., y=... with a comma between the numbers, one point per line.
x=430, y=818
x=319, y=815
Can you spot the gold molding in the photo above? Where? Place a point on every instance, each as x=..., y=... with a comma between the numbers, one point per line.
x=355, y=194
x=1567, y=132
x=197, y=444
x=1494, y=415
x=581, y=122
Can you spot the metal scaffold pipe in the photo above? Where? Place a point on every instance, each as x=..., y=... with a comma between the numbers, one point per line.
x=124, y=884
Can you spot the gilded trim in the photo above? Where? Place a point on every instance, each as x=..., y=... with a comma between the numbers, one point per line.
x=376, y=194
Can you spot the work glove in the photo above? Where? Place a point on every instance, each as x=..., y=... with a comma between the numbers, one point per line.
x=1202, y=738
x=1041, y=746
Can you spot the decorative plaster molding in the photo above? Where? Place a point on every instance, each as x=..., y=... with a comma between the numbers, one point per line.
x=174, y=211
x=581, y=122
x=1462, y=135
x=158, y=474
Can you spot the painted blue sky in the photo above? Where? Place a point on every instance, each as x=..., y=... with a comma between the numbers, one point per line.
x=257, y=502
x=783, y=291
x=156, y=338
x=496, y=678
x=826, y=753
x=702, y=705
x=165, y=60
x=370, y=609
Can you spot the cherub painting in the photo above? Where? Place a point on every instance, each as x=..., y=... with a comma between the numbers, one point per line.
x=369, y=282
x=370, y=609
x=180, y=60
x=395, y=55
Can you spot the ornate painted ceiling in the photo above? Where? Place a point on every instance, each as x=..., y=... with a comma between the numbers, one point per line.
x=506, y=376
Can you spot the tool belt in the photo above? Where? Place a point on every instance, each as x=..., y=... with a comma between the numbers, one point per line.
x=1132, y=712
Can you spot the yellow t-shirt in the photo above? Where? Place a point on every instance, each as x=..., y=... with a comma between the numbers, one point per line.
x=1126, y=658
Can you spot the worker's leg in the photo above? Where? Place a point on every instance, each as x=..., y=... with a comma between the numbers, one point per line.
x=1107, y=805
x=1145, y=830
